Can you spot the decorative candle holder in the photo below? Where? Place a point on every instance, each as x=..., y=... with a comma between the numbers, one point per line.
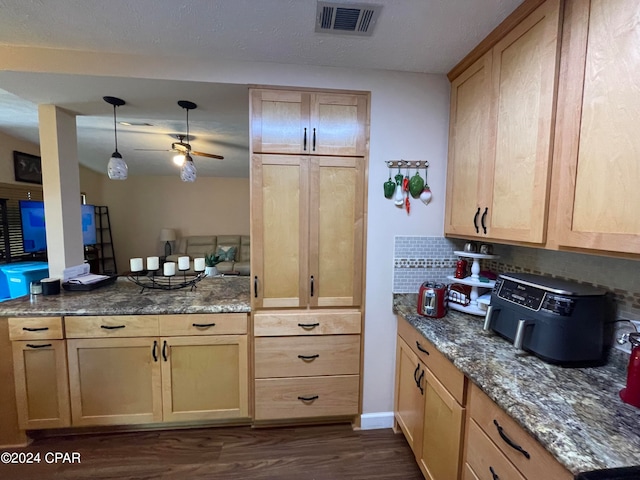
x=150, y=280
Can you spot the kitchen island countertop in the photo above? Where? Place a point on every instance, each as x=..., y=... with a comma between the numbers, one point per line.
x=228, y=294
x=575, y=413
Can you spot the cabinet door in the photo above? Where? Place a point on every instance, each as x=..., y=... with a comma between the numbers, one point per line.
x=336, y=231
x=409, y=401
x=338, y=124
x=470, y=153
x=114, y=381
x=441, y=432
x=598, y=145
x=525, y=66
x=280, y=121
x=42, y=385
x=279, y=231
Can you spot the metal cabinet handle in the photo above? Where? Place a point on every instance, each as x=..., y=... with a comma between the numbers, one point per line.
x=38, y=329
x=114, y=327
x=164, y=351
x=314, y=139
x=154, y=351
x=308, y=357
x=421, y=348
x=39, y=346
x=475, y=220
x=493, y=473
x=420, y=382
x=255, y=286
x=203, y=325
x=305, y=140
x=312, y=285
x=309, y=399
x=484, y=216
x=309, y=325
x=415, y=375
x=510, y=442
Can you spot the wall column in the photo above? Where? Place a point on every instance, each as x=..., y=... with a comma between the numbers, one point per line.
x=61, y=188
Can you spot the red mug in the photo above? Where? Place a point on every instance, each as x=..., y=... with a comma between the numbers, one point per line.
x=461, y=269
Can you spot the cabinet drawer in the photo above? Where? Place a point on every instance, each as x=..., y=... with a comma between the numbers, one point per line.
x=35, y=328
x=306, y=397
x=307, y=356
x=112, y=326
x=540, y=464
x=486, y=460
x=203, y=324
x=452, y=378
x=314, y=323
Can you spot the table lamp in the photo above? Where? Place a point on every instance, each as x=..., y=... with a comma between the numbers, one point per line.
x=167, y=235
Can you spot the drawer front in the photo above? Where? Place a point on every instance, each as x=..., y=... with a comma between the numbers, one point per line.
x=35, y=328
x=452, y=378
x=490, y=418
x=486, y=460
x=306, y=397
x=307, y=356
x=203, y=324
x=112, y=326
x=314, y=323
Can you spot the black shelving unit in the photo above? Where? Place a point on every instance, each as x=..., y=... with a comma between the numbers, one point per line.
x=106, y=253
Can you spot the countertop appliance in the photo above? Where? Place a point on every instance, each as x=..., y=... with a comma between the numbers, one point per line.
x=433, y=300
x=557, y=320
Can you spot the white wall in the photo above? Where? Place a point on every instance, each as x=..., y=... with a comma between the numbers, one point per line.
x=409, y=120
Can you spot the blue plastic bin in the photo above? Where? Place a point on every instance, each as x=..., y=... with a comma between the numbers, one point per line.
x=20, y=275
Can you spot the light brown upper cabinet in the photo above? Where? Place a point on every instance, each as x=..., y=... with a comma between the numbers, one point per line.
x=597, y=142
x=308, y=123
x=307, y=231
x=502, y=118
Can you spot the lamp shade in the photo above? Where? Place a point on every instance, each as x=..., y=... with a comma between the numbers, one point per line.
x=167, y=235
x=188, y=171
x=117, y=168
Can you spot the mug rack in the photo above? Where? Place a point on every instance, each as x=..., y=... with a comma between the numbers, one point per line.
x=407, y=163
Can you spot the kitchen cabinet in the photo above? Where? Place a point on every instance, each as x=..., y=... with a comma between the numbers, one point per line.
x=40, y=372
x=307, y=231
x=307, y=364
x=429, y=404
x=597, y=143
x=148, y=369
x=497, y=447
x=501, y=131
x=305, y=122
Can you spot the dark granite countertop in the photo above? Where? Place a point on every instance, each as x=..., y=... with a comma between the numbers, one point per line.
x=575, y=413
x=212, y=295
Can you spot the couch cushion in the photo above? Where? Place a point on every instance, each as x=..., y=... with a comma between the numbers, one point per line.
x=244, y=253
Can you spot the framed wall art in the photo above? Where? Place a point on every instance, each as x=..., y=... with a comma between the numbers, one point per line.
x=27, y=168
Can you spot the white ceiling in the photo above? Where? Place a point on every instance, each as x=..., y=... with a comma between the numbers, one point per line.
x=428, y=36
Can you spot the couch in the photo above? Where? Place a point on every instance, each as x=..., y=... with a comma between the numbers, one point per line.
x=196, y=246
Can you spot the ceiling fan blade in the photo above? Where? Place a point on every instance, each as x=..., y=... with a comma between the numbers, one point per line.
x=210, y=155
x=152, y=150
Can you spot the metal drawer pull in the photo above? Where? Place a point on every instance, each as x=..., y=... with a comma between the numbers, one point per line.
x=421, y=348
x=493, y=473
x=309, y=325
x=308, y=357
x=309, y=399
x=203, y=325
x=109, y=327
x=39, y=329
x=154, y=351
x=39, y=346
x=510, y=442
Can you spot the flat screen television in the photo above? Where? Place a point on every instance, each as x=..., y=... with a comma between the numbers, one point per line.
x=34, y=233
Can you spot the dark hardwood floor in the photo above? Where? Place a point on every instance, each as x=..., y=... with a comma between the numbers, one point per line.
x=326, y=452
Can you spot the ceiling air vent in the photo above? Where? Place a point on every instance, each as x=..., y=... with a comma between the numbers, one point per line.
x=347, y=18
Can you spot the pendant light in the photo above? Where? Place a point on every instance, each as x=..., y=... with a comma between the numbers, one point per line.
x=117, y=168
x=188, y=171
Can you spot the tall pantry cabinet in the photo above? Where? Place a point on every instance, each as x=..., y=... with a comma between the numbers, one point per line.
x=308, y=189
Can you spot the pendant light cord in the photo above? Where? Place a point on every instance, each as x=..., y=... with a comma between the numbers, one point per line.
x=115, y=130
x=188, y=139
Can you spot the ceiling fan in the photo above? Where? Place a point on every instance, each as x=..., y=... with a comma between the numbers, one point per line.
x=182, y=147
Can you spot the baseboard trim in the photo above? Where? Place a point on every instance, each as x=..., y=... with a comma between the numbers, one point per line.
x=373, y=421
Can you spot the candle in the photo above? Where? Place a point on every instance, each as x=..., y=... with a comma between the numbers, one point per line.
x=198, y=264
x=136, y=264
x=169, y=269
x=183, y=263
x=153, y=263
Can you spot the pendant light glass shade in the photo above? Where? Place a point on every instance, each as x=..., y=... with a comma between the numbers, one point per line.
x=188, y=170
x=116, y=168
x=179, y=159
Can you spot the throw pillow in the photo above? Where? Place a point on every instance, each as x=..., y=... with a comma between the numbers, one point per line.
x=226, y=253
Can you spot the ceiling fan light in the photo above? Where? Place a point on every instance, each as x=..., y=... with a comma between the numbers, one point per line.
x=188, y=170
x=179, y=159
x=117, y=168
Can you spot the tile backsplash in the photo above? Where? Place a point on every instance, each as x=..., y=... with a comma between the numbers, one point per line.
x=418, y=259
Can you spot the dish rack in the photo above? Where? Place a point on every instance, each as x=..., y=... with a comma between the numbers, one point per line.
x=476, y=302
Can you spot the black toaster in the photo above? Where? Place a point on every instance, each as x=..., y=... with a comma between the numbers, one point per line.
x=559, y=321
